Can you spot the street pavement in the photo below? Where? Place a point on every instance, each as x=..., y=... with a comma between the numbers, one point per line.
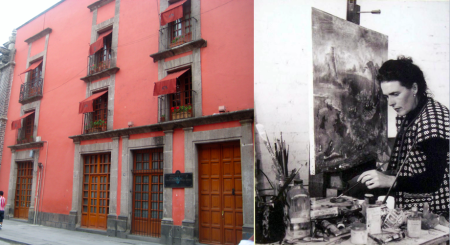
x=17, y=232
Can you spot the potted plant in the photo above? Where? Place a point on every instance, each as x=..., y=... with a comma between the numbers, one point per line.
x=177, y=41
x=176, y=112
x=162, y=118
x=19, y=140
x=92, y=68
x=189, y=110
x=100, y=125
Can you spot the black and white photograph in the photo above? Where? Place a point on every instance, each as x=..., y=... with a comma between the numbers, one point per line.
x=351, y=118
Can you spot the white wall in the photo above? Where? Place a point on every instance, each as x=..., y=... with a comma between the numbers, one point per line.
x=283, y=74
x=419, y=29
x=283, y=60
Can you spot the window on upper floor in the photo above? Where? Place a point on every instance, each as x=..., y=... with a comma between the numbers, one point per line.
x=25, y=126
x=175, y=95
x=95, y=110
x=100, y=53
x=180, y=30
x=32, y=89
x=181, y=101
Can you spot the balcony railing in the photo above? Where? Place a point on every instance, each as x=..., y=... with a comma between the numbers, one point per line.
x=31, y=90
x=165, y=110
x=21, y=138
x=91, y=126
x=99, y=61
x=178, y=32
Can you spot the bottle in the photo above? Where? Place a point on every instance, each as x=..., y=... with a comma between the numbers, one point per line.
x=299, y=210
x=368, y=200
x=414, y=224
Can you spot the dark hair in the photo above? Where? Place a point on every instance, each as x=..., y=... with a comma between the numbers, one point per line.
x=404, y=71
x=1, y=193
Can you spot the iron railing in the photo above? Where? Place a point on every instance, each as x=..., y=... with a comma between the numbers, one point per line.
x=20, y=136
x=99, y=61
x=31, y=89
x=168, y=112
x=91, y=126
x=178, y=32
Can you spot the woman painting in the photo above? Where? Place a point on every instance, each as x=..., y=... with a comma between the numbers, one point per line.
x=421, y=150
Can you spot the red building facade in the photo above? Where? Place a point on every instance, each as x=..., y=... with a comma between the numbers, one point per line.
x=110, y=97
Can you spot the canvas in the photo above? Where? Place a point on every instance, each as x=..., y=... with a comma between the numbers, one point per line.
x=350, y=113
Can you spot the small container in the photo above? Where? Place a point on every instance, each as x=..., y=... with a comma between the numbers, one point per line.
x=414, y=224
x=358, y=233
x=373, y=219
x=369, y=199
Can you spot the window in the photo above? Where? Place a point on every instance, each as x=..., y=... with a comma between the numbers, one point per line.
x=183, y=96
x=101, y=59
x=35, y=75
x=25, y=134
x=95, y=119
x=180, y=31
x=29, y=127
x=101, y=109
x=32, y=89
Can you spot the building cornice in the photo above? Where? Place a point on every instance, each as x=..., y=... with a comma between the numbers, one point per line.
x=98, y=4
x=169, y=125
x=39, y=35
x=27, y=145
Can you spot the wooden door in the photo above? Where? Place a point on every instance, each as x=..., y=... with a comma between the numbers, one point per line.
x=95, y=200
x=23, y=189
x=147, y=192
x=29, y=128
x=220, y=193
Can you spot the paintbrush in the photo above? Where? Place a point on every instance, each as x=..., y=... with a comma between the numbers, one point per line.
x=353, y=186
x=379, y=168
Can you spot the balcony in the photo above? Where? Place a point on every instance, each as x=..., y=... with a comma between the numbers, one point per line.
x=100, y=65
x=168, y=113
x=22, y=137
x=178, y=37
x=99, y=61
x=31, y=91
x=92, y=126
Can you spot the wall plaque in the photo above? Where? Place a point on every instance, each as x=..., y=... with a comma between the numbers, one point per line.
x=178, y=180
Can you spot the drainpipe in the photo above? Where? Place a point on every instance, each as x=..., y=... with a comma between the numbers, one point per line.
x=36, y=202
x=41, y=187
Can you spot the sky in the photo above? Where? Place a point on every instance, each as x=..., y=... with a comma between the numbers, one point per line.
x=17, y=12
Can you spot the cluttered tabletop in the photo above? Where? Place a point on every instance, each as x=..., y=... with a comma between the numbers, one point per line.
x=344, y=220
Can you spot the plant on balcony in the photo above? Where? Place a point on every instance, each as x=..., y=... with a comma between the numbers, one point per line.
x=98, y=125
x=93, y=68
x=20, y=140
x=162, y=118
x=181, y=112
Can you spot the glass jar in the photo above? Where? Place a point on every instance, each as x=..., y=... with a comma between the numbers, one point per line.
x=358, y=233
x=299, y=210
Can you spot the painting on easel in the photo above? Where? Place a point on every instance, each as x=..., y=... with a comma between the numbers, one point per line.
x=350, y=115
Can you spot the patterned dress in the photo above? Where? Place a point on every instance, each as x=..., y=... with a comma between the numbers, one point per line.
x=422, y=141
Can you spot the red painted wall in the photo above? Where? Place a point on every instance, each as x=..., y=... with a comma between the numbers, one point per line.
x=216, y=126
x=227, y=62
x=106, y=12
x=37, y=47
x=138, y=38
x=70, y=22
x=178, y=164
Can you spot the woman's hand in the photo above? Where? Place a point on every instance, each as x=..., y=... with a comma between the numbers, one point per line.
x=375, y=179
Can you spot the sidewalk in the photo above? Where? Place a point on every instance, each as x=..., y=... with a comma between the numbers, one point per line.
x=16, y=232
